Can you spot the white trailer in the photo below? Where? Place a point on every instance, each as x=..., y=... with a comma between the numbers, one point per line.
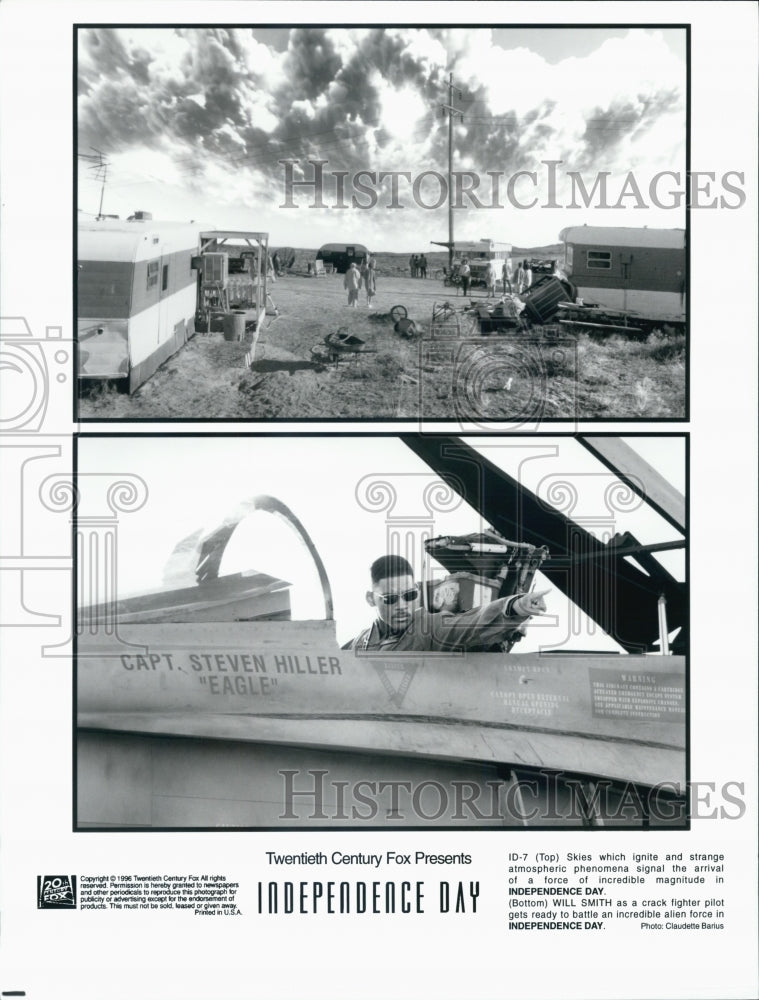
x=484, y=249
x=478, y=254
x=136, y=295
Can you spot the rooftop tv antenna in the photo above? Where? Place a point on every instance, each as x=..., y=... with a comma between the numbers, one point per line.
x=99, y=165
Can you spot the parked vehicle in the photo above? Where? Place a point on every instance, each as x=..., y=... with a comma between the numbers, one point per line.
x=478, y=253
x=342, y=255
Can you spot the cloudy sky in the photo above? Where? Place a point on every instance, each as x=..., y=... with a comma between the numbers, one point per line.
x=193, y=122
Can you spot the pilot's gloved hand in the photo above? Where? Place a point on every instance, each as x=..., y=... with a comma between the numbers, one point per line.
x=530, y=604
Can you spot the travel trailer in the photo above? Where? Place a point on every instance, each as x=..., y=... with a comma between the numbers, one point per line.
x=136, y=294
x=143, y=286
x=636, y=270
x=478, y=253
x=342, y=255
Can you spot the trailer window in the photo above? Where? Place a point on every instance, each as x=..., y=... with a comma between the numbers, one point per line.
x=599, y=260
x=104, y=289
x=153, y=268
x=165, y=278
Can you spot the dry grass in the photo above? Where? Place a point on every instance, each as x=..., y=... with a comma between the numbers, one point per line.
x=538, y=375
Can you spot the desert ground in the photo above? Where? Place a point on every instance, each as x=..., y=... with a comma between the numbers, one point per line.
x=517, y=377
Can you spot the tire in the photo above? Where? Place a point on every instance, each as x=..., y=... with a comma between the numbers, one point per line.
x=398, y=312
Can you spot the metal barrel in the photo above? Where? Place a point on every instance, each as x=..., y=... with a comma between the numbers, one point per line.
x=233, y=325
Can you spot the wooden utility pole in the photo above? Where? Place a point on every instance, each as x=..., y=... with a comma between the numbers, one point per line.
x=452, y=112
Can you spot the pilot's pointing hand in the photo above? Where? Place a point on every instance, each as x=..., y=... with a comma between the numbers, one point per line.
x=530, y=604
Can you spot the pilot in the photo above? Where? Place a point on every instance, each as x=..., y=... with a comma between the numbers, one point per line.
x=402, y=623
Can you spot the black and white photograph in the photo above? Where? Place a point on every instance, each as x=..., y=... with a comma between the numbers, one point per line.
x=325, y=223
x=378, y=450
x=439, y=632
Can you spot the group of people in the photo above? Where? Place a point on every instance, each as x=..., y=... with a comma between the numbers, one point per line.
x=278, y=263
x=417, y=265
x=491, y=276
x=519, y=282
x=365, y=277
x=523, y=276
x=356, y=278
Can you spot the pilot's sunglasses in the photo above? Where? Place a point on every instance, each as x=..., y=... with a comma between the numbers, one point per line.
x=407, y=595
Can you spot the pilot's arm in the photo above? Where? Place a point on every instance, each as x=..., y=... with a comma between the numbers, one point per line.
x=484, y=625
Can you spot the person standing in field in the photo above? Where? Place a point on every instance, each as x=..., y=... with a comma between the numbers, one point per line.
x=506, y=275
x=369, y=278
x=352, y=281
x=521, y=277
x=527, y=275
x=465, y=273
x=411, y=263
x=490, y=279
x=423, y=266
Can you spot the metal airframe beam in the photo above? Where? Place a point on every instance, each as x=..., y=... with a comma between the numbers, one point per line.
x=635, y=472
x=616, y=594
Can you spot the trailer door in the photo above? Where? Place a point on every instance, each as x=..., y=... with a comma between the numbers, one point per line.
x=625, y=263
x=165, y=280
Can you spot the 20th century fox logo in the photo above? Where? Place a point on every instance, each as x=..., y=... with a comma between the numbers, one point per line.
x=56, y=892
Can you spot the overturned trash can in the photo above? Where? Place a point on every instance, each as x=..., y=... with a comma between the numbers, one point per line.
x=542, y=300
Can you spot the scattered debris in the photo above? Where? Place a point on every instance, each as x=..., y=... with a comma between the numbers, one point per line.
x=406, y=328
x=448, y=321
x=599, y=320
x=249, y=387
x=339, y=346
x=506, y=314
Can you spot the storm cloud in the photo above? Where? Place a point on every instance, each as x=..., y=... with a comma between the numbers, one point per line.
x=236, y=101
